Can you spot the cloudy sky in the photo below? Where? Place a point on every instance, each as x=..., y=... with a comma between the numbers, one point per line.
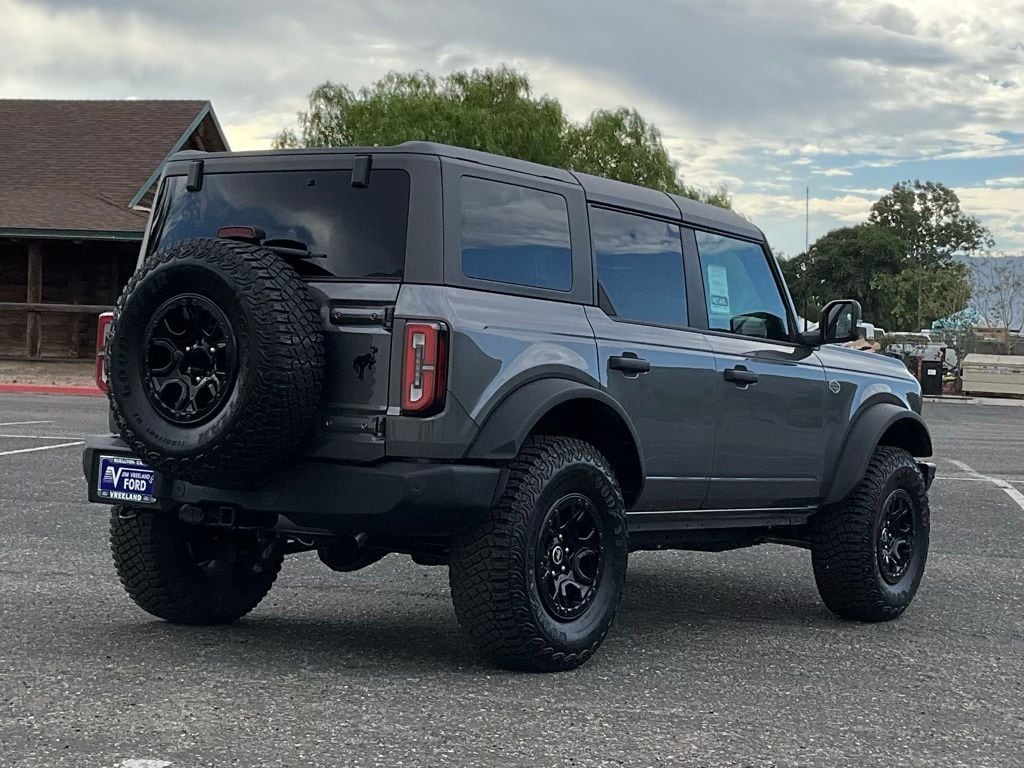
x=766, y=97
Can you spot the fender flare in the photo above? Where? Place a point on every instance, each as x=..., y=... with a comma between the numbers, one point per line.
x=507, y=426
x=862, y=439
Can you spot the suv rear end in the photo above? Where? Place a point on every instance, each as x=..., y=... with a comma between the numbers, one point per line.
x=359, y=229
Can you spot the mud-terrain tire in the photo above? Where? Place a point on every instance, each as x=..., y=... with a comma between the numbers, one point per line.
x=242, y=398
x=862, y=570
x=187, y=574
x=522, y=609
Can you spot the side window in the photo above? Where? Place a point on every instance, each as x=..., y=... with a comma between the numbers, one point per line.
x=639, y=264
x=513, y=234
x=742, y=294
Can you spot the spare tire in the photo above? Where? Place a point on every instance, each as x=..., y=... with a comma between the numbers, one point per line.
x=215, y=361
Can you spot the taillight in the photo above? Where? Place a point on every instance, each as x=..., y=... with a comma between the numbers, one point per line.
x=424, y=375
x=102, y=328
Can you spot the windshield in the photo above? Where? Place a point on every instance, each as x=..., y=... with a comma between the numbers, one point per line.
x=352, y=233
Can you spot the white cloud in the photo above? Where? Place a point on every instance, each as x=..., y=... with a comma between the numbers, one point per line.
x=1006, y=181
x=832, y=172
x=1000, y=209
x=847, y=209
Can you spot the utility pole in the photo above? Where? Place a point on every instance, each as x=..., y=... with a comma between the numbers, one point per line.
x=807, y=219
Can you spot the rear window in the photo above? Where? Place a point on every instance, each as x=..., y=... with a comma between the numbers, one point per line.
x=360, y=232
x=513, y=234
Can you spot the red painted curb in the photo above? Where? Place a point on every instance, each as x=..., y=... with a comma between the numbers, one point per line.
x=50, y=389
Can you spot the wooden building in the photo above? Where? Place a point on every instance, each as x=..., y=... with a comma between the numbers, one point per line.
x=76, y=182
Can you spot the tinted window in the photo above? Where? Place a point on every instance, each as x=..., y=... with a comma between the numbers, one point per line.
x=639, y=267
x=741, y=291
x=513, y=234
x=360, y=231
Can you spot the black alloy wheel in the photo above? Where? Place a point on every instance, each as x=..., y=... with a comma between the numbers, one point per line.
x=190, y=359
x=895, y=543
x=569, y=557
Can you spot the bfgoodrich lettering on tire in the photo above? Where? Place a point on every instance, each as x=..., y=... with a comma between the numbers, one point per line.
x=869, y=551
x=215, y=361
x=537, y=585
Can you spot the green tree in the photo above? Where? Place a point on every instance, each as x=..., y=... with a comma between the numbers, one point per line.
x=921, y=294
x=843, y=264
x=927, y=217
x=491, y=110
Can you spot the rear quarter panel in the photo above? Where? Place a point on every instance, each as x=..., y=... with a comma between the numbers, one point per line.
x=499, y=342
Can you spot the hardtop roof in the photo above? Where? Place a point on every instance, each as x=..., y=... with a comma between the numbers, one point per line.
x=597, y=189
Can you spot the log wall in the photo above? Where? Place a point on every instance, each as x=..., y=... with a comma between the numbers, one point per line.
x=88, y=273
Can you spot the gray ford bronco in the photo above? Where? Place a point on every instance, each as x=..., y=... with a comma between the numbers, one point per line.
x=513, y=370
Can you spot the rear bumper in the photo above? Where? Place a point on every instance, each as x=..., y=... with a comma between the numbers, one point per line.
x=398, y=498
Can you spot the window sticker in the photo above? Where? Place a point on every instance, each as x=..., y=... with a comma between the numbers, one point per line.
x=718, y=290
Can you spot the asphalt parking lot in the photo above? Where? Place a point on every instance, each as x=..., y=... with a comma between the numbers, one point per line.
x=715, y=659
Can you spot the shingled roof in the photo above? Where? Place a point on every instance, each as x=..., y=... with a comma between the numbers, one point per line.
x=77, y=167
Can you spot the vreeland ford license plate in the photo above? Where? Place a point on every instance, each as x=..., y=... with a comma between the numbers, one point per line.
x=125, y=478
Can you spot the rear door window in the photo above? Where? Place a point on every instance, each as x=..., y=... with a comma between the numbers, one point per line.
x=513, y=234
x=639, y=265
x=742, y=294
x=352, y=233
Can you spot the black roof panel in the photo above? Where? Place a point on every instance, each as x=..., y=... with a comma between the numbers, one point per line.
x=622, y=195
x=597, y=189
x=704, y=215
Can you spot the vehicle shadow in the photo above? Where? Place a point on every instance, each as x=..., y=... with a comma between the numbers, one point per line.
x=669, y=599
x=698, y=586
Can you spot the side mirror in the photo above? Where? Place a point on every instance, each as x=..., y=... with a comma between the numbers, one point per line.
x=839, y=324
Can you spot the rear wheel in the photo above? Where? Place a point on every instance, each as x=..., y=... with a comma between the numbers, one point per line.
x=537, y=585
x=869, y=551
x=189, y=574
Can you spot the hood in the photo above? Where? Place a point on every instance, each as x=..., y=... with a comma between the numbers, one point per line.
x=844, y=358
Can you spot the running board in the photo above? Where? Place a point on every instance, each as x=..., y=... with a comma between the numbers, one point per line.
x=703, y=519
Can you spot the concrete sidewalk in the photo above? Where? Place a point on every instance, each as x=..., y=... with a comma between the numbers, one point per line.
x=57, y=373
x=965, y=400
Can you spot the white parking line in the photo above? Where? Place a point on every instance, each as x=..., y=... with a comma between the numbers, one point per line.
x=1010, y=491
x=42, y=448
x=43, y=437
x=20, y=423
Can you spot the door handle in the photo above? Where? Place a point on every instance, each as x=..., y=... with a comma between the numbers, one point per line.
x=740, y=376
x=629, y=364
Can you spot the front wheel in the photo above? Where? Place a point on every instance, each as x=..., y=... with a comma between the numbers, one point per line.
x=188, y=574
x=537, y=585
x=869, y=551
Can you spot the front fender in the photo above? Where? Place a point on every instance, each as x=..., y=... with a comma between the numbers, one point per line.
x=863, y=437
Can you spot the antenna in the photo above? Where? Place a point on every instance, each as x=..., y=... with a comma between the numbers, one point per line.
x=807, y=219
